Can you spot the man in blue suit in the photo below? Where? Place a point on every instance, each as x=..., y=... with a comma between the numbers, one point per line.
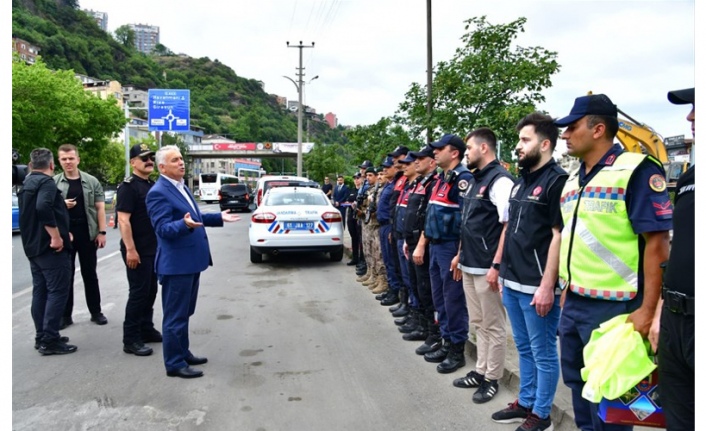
x=182, y=253
x=340, y=196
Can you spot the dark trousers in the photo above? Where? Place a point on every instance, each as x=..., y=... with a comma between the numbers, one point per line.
x=355, y=237
x=342, y=210
x=676, y=370
x=50, y=288
x=449, y=297
x=179, y=293
x=86, y=249
x=579, y=317
x=420, y=283
x=140, y=301
x=361, y=255
x=389, y=258
x=403, y=266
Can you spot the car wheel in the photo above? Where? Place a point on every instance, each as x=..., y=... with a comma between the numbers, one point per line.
x=255, y=257
x=336, y=256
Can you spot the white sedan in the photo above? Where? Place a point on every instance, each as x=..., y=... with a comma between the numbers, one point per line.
x=295, y=219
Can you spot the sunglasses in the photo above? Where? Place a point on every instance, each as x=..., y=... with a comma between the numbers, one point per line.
x=147, y=157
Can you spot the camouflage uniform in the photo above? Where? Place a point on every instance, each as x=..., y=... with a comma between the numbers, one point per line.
x=371, y=248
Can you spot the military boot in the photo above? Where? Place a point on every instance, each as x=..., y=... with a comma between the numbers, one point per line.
x=368, y=278
x=381, y=286
x=420, y=332
x=402, y=320
x=364, y=277
x=412, y=323
x=404, y=298
x=454, y=360
x=433, y=341
x=440, y=354
x=361, y=268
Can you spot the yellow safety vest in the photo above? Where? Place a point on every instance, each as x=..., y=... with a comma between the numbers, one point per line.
x=599, y=254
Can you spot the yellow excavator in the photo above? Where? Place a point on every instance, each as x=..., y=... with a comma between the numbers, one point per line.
x=638, y=137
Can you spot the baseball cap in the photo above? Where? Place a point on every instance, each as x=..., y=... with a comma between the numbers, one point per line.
x=593, y=104
x=400, y=150
x=426, y=151
x=370, y=170
x=366, y=164
x=388, y=162
x=357, y=175
x=450, y=139
x=408, y=158
x=140, y=150
x=681, y=97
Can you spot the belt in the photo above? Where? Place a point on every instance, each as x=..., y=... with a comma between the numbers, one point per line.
x=678, y=303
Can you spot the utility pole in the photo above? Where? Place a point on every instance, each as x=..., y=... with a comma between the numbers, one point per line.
x=429, y=71
x=300, y=88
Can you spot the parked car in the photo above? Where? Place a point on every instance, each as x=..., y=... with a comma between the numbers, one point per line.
x=109, y=196
x=234, y=197
x=293, y=220
x=266, y=183
x=15, y=214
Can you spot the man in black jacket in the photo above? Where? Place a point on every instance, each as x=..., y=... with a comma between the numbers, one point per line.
x=44, y=227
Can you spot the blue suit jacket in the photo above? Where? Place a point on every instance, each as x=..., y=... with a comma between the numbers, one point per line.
x=180, y=250
x=342, y=195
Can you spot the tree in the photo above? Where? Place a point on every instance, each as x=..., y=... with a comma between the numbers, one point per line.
x=50, y=108
x=126, y=36
x=488, y=82
x=324, y=160
x=375, y=141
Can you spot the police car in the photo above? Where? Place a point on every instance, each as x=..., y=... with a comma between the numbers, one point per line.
x=295, y=219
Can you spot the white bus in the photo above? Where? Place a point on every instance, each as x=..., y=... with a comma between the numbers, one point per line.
x=210, y=184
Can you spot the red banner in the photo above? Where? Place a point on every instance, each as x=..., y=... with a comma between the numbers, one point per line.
x=242, y=146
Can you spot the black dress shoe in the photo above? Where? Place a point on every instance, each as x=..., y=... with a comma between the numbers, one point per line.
x=390, y=300
x=196, y=360
x=401, y=312
x=57, y=348
x=402, y=320
x=99, y=319
x=152, y=336
x=185, y=373
x=61, y=340
x=137, y=349
x=64, y=322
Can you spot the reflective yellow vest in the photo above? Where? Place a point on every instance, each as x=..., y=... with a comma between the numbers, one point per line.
x=599, y=255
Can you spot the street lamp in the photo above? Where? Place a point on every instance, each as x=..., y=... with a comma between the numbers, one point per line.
x=300, y=88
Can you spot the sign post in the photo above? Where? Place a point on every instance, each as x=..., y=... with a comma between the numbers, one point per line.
x=168, y=110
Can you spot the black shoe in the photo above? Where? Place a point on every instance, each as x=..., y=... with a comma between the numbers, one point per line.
x=61, y=340
x=185, y=373
x=361, y=270
x=513, y=413
x=396, y=307
x=57, y=348
x=411, y=325
x=391, y=300
x=438, y=355
x=486, y=391
x=471, y=380
x=352, y=262
x=152, y=336
x=196, y=360
x=65, y=321
x=416, y=335
x=432, y=344
x=402, y=320
x=454, y=360
x=99, y=319
x=402, y=311
x=137, y=349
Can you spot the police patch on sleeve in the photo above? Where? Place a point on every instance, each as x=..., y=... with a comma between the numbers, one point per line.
x=462, y=185
x=658, y=183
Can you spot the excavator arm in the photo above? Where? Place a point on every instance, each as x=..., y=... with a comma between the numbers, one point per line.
x=637, y=137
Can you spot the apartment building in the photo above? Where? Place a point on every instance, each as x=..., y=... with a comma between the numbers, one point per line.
x=146, y=37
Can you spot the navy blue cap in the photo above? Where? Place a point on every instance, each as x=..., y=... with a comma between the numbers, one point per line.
x=593, y=104
x=357, y=175
x=681, y=97
x=426, y=151
x=409, y=158
x=371, y=170
x=401, y=150
x=450, y=139
x=388, y=162
x=365, y=165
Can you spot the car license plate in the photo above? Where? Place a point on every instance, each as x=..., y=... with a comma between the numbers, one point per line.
x=298, y=225
x=235, y=201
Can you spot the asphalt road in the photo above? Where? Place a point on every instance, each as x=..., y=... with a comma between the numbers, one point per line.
x=293, y=344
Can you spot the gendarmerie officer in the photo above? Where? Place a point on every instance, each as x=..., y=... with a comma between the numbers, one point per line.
x=443, y=231
x=138, y=247
x=385, y=214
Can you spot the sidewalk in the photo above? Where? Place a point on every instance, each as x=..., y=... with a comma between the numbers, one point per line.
x=562, y=411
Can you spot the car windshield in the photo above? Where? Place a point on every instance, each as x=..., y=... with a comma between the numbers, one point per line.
x=294, y=198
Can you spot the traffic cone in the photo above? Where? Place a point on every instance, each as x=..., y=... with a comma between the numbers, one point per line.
x=111, y=222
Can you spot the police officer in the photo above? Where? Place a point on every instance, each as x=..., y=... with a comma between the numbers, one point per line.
x=138, y=247
x=418, y=251
x=442, y=230
x=385, y=219
x=484, y=215
x=612, y=243
x=362, y=267
x=673, y=324
x=353, y=228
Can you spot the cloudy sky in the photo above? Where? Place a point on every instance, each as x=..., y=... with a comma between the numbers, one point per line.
x=368, y=52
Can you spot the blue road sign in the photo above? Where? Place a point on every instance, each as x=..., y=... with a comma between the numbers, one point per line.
x=168, y=110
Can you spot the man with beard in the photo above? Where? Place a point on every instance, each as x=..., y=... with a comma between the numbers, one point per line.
x=529, y=271
x=483, y=218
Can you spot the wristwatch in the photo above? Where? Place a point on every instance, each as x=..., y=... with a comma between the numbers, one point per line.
x=102, y=232
x=496, y=266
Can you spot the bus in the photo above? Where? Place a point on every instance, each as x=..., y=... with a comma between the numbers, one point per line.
x=210, y=184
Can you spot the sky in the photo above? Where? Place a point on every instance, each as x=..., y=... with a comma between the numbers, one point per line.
x=367, y=53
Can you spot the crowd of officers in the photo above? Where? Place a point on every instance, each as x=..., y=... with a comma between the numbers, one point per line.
x=457, y=246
